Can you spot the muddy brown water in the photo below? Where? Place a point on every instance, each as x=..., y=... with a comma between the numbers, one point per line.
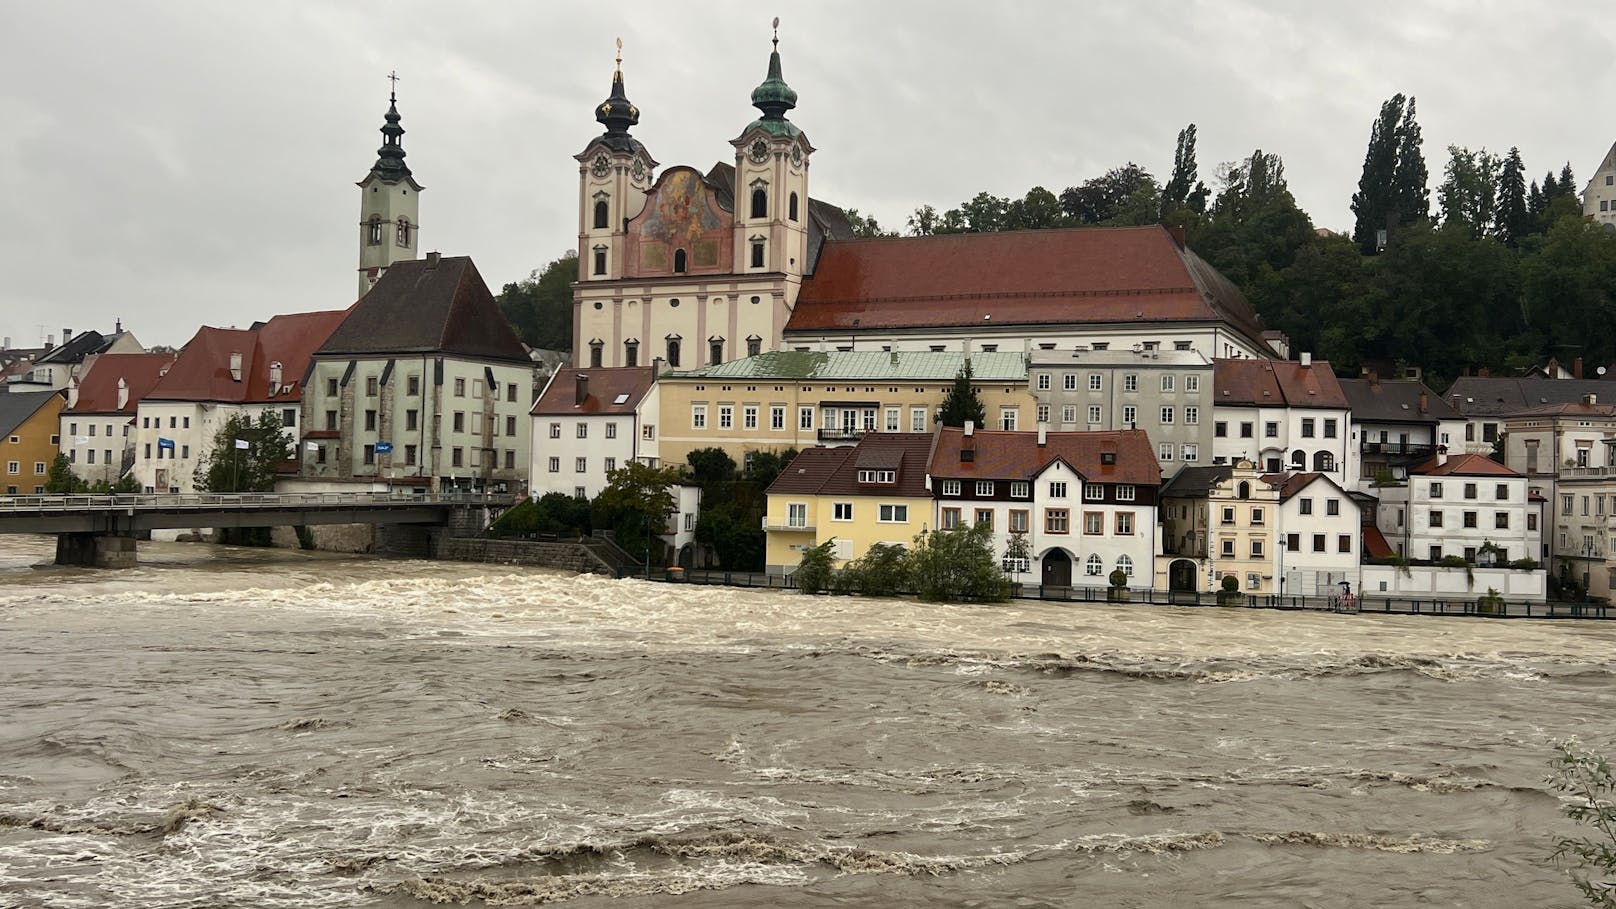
x=226, y=727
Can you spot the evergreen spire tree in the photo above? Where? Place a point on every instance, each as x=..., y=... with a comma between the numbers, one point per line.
x=1511, y=220
x=1184, y=189
x=962, y=403
x=1373, y=200
x=1568, y=183
x=1411, y=195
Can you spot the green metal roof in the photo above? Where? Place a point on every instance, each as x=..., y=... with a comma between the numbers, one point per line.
x=904, y=366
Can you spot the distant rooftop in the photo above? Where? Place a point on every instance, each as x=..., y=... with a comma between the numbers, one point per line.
x=895, y=366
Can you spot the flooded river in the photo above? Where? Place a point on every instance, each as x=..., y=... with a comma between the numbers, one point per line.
x=226, y=727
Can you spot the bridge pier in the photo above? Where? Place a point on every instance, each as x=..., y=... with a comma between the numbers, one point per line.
x=95, y=550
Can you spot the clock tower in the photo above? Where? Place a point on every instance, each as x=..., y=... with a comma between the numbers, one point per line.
x=771, y=183
x=614, y=172
x=389, y=205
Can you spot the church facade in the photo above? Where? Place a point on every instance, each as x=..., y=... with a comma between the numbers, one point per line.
x=694, y=268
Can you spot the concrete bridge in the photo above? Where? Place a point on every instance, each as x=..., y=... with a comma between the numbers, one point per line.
x=100, y=530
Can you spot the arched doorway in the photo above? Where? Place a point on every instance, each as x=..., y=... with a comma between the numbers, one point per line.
x=1181, y=576
x=1057, y=568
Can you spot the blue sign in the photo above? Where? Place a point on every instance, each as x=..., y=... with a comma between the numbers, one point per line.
x=163, y=443
x=384, y=447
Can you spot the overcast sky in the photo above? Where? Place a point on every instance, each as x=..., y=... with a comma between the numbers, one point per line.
x=178, y=164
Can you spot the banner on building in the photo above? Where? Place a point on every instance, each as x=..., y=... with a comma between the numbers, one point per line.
x=241, y=443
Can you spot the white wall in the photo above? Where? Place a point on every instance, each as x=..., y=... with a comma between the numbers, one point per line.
x=1430, y=581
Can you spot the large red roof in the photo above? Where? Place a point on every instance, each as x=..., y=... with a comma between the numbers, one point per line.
x=1465, y=465
x=1003, y=455
x=1277, y=383
x=98, y=385
x=202, y=370
x=602, y=390
x=834, y=471
x=1037, y=277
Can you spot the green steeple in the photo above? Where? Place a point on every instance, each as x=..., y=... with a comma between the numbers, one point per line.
x=774, y=97
x=390, y=164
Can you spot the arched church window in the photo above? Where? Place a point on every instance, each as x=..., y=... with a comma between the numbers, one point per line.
x=1245, y=490
x=760, y=203
x=757, y=252
x=1299, y=459
x=602, y=215
x=374, y=237
x=679, y=261
x=631, y=352
x=792, y=211
x=715, y=350
x=673, y=350
x=404, y=232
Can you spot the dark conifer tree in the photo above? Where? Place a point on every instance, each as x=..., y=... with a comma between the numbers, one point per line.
x=1373, y=201
x=1512, y=220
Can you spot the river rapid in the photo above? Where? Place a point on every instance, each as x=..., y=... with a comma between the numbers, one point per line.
x=227, y=727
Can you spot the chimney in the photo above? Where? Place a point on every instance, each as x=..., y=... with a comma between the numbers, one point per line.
x=117, y=326
x=235, y=366
x=581, y=394
x=1178, y=235
x=274, y=376
x=970, y=427
x=1043, y=434
x=1590, y=398
x=1307, y=359
x=67, y=335
x=7, y=344
x=50, y=341
x=432, y=259
x=1441, y=456
x=1484, y=372
x=1425, y=401
x=1576, y=368
x=73, y=393
x=123, y=393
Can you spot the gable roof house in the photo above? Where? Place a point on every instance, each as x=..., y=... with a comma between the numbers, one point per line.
x=102, y=406
x=589, y=422
x=28, y=440
x=872, y=492
x=1283, y=415
x=423, y=384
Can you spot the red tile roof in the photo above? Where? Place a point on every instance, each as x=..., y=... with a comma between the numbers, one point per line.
x=1276, y=383
x=201, y=372
x=1290, y=485
x=834, y=471
x=1016, y=455
x=1079, y=275
x=98, y=385
x=1465, y=465
x=1374, y=543
x=605, y=386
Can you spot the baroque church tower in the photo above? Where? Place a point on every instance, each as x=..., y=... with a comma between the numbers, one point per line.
x=771, y=182
x=614, y=173
x=389, y=206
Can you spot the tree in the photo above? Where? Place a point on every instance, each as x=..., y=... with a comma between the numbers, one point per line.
x=1469, y=188
x=1588, y=796
x=710, y=465
x=923, y=223
x=1100, y=199
x=962, y=403
x=1184, y=189
x=1392, y=190
x=1511, y=220
x=958, y=564
x=813, y=574
x=228, y=466
x=60, y=479
x=865, y=226
x=1411, y=194
x=540, y=307
x=635, y=504
x=1038, y=210
x=767, y=465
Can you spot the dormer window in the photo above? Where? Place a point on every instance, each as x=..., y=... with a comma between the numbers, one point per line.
x=1108, y=458
x=754, y=345
x=878, y=476
x=595, y=348
x=715, y=351
x=673, y=350
x=631, y=352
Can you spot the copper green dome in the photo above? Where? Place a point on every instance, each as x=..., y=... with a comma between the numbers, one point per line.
x=774, y=97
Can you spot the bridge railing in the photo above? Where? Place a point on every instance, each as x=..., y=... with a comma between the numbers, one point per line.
x=213, y=500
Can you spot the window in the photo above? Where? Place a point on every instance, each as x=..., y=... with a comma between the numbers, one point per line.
x=460, y=388
x=1253, y=580
x=370, y=421
x=1166, y=416
x=40, y=469
x=1307, y=427
x=579, y=465
x=578, y=492
x=698, y=416
x=917, y=419
x=893, y=416
x=726, y=416
x=288, y=419
x=1192, y=452
x=679, y=261
x=555, y=465
x=595, y=354
x=1043, y=413
x=760, y=202
x=582, y=428
x=458, y=457
x=1125, y=524
x=1043, y=381
x=330, y=419
x=777, y=417
x=460, y=421
x=409, y=455
x=1126, y=492
x=1436, y=491
x=1270, y=430
x=1095, y=382
x=631, y=353
x=1318, y=542
x=1057, y=489
x=1293, y=542
x=878, y=476
x=1227, y=516
x=1130, y=415
x=1226, y=547
x=600, y=260
x=841, y=511
x=1257, y=516
x=1257, y=549
x=1069, y=381
x=1007, y=419
x=1565, y=504
x=1245, y=430
x=1093, y=523
x=1094, y=492
x=1056, y=520
x=893, y=514
x=1130, y=383
x=373, y=234
x=370, y=386
x=1501, y=493
x=1018, y=521
x=984, y=489
x=983, y=518
x=648, y=432
x=1164, y=451
x=1125, y=564
x=1068, y=413
x=1343, y=542
x=1020, y=489
x=609, y=464
x=1192, y=383
x=319, y=455
x=370, y=454
x=1167, y=382
x=1094, y=413
x=1470, y=493
x=1092, y=566
x=1531, y=522
x=1501, y=520
x=796, y=514
x=951, y=518
x=1436, y=519
x=404, y=232
x=805, y=418
x=792, y=207
x=757, y=253
x=1192, y=416
x=1329, y=428
x=412, y=386
x=749, y=416
x=1470, y=519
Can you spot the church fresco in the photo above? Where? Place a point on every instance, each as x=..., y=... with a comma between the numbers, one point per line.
x=680, y=213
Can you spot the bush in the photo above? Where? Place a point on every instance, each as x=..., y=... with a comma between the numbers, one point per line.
x=1525, y=564
x=813, y=573
x=881, y=572
x=1231, y=584
x=1588, y=796
x=1453, y=561
x=955, y=565
x=1119, y=578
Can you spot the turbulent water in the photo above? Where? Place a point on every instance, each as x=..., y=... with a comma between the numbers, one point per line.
x=228, y=727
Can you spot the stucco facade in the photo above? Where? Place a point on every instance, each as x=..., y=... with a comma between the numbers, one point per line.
x=1166, y=393
x=28, y=440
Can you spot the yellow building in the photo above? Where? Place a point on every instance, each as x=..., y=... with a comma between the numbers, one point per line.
x=872, y=492
x=29, y=439
x=799, y=399
x=1221, y=521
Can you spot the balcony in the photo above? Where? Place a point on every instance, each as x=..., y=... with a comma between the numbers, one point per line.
x=1398, y=449
x=1586, y=473
x=787, y=528
x=841, y=434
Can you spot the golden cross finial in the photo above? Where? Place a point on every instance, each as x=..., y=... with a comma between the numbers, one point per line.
x=619, y=56
x=393, y=78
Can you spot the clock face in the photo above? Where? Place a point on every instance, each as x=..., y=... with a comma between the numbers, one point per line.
x=602, y=166
x=639, y=168
x=796, y=154
x=760, y=151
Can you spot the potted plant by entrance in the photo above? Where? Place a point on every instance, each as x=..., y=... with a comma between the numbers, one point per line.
x=1230, y=594
x=1119, y=587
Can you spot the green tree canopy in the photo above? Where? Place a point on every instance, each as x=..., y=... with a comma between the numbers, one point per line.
x=635, y=505
x=1469, y=189
x=1511, y=218
x=865, y=226
x=962, y=402
x=1392, y=189
x=540, y=307
x=227, y=466
x=710, y=465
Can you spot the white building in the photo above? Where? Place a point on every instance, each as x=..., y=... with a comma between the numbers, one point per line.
x=1320, y=536
x=97, y=425
x=1463, y=505
x=588, y=423
x=1283, y=416
x=1084, y=501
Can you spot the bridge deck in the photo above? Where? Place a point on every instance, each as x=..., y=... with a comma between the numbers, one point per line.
x=134, y=512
